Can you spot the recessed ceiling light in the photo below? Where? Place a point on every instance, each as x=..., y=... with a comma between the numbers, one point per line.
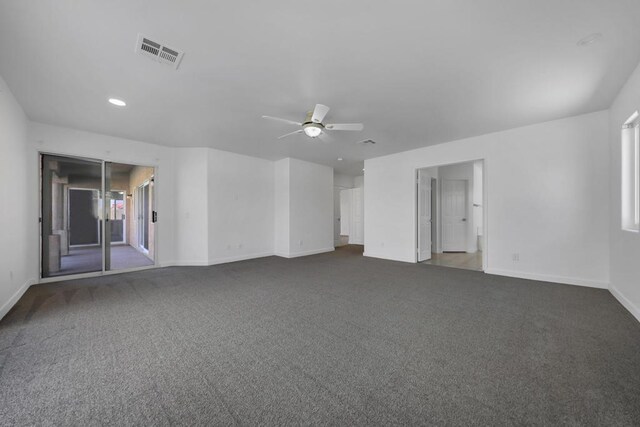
x=117, y=102
x=590, y=39
x=339, y=159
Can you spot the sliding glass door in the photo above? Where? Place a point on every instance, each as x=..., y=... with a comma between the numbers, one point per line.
x=130, y=216
x=71, y=216
x=94, y=216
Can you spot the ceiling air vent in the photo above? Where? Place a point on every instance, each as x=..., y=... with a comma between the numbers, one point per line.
x=158, y=51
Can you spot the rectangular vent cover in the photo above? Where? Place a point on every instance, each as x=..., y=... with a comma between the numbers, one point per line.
x=158, y=51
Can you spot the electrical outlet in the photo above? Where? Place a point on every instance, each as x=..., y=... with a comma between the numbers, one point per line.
x=515, y=257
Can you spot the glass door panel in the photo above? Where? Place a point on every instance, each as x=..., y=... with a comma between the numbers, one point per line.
x=129, y=208
x=71, y=212
x=96, y=216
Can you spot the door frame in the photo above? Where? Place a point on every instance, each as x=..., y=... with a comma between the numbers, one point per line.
x=485, y=206
x=419, y=182
x=139, y=200
x=156, y=235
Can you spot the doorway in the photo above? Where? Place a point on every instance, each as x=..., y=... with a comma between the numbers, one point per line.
x=450, y=219
x=86, y=218
x=352, y=216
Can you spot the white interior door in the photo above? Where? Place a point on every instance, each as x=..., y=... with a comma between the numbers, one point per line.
x=356, y=235
x=454, y=215
x=424, y=216
x=345, y=212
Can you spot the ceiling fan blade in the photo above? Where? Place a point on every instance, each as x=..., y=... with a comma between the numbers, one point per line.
x=291, y=122
x=345, y=126
x=291, y=133
x=319, y=112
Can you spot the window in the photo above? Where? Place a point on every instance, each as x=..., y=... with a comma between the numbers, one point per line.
x=631, y=173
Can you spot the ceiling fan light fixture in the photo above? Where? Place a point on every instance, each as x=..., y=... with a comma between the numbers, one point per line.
x=312, y=130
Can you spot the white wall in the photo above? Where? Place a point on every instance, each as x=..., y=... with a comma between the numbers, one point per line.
x=241, y=207
x=342, y=181
x=281, y=207
x=546, y=185
x=19, y=224
x=304, y=210
x=356, y=222
x=311, y=208
x=624, y=245
x=191, y=207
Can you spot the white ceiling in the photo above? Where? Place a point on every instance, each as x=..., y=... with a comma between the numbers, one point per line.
x=414, y=72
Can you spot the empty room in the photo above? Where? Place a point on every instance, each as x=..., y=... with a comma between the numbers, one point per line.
x=345, y=213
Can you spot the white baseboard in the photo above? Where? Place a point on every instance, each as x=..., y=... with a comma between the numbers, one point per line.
x=183, y=263
x=239, y=258
x=216, y=261
x=388, y=258
x=15, y=297
x=549, y=278
x=633, y=309
x=305, y=253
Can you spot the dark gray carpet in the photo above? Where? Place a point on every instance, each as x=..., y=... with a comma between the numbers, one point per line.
x=327, y=339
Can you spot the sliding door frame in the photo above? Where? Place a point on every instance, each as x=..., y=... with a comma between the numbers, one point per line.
x=141, y=230
x=103, y=215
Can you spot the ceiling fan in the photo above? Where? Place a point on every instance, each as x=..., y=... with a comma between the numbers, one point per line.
x=313, y=126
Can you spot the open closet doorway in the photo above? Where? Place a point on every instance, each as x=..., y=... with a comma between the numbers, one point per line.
x=93, y=217
x=451, y=215
x=352, y=216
